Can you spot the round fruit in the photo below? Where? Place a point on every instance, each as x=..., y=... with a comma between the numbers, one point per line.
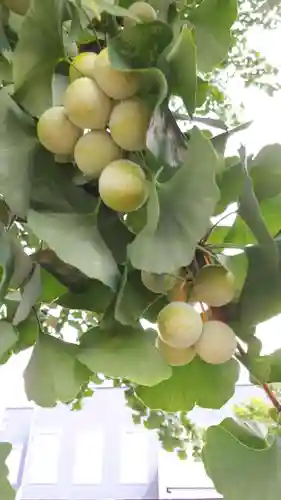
x=18, y=6
x=86, y=105
x=217, y=343
x=22, y=265
x=94, y=151
x=123, y=186
x=180, y=326
x=82, y=65
x=128, y=124
x=145, y=12
x=56, y=132
x=159, y=283
x=175, y=357
x=214, y=285
x=116, y=84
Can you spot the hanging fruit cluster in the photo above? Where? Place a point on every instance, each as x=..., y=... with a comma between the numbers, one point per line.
x=184, y=332
x=101, y=122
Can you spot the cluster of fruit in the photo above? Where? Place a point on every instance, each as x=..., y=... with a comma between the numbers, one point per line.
x=101, y=122
x=184, y=332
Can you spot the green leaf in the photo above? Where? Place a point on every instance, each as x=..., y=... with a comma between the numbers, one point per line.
x=265, y=171
x=38, y=50
x=96, y=297
x=17, y=144
x=113, y=9
x=240, y=233
x=193, y=384
x=133, y=299
x=202, y=91
x=178, y=212
x=52, y=189
x=261, y=295
x=6, y=490
x=6, y=261
x=30, y=294
x=230, y=183
x=231, y=459
x=53, y=373
x=51, y=288
x=8, y=337
x=28, y=331
x=238, y=265
x=212, y=20
x=182, y=69
x=154, y=87
x=114, y=232
x=77, y=241
x=249, y=210
x=140, y=46
x=272, y=362
x=124, y=352
x=5, y=70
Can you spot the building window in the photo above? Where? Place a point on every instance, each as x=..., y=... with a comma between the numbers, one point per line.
x=43, y=458
x=88, y=458
x=134, y=457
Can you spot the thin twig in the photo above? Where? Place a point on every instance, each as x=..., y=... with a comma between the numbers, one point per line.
x=217, y=224
x=270, y=394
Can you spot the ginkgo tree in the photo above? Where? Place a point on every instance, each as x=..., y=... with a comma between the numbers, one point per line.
x=118, y=204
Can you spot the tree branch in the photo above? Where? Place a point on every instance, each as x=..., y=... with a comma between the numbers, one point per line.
x=270, y=394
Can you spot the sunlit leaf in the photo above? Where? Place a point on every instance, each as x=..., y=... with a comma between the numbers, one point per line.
x=6, y=490
x=193, y=384
x=77, y=241
x=53, y=373
x=178, y=212
x=231, y=459
x=39, y=49
x=124, y=352
x=212, y=20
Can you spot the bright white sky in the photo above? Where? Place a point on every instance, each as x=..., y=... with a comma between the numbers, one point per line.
x=266, y=113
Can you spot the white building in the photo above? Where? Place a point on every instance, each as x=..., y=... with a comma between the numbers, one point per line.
x=98, y=453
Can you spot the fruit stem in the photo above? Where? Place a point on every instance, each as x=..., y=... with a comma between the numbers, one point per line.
x=179, y=292
x=270, y=394
x=204, y=313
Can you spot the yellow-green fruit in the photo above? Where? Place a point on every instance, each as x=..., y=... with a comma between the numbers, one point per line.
x=22, y=265
x=217, y=343
x=179, y=325
x=214, y=285
x=175, y=357
x=159, y=283
x=145, y=12
x=116, y=84
x=94, y=151
x=128, y=124
x=18, y=6
x=123, y=186
x=83, y=65
x=56, y=132
x=86, y=104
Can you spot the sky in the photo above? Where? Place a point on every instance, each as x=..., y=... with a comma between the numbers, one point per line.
x=265, y=112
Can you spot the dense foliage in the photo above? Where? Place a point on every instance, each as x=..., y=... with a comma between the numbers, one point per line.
x=114, y=203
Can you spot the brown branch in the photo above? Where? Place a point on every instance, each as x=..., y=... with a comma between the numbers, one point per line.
x=272, y=397
x=270, y=394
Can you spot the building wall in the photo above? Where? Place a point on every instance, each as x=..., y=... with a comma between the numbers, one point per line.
x=98, y=453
